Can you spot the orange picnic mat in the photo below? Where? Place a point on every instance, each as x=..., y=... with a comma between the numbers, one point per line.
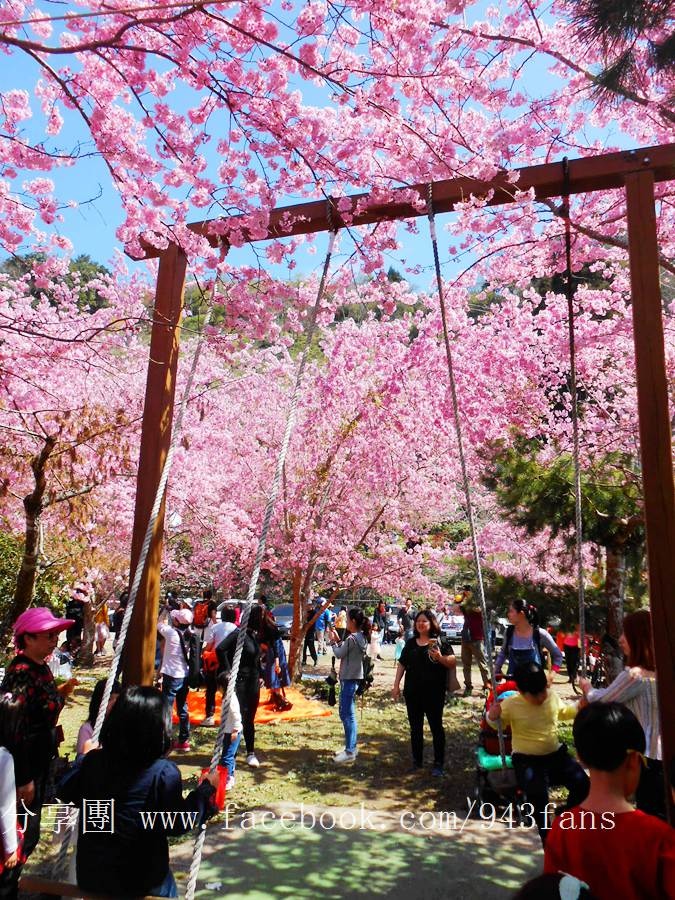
x=302, y=708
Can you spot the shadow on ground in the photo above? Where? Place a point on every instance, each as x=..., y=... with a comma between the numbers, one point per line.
x=302, y=863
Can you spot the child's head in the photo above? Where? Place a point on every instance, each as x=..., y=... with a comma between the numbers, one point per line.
x=138, y=728
x=97, y=696
x=609, y=738
x=532, y=683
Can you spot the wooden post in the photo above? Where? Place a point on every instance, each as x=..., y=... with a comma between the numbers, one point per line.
x=655, y=442
x=139, y=652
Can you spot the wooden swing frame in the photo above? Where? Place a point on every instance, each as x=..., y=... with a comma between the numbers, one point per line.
x=637, y=171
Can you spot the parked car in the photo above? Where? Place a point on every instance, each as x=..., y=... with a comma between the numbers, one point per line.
x=451, y=627
x=283, y=616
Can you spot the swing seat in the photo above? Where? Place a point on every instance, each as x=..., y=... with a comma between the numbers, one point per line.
x=489, y=762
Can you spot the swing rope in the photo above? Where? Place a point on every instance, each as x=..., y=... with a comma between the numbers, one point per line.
x=59, y=865
x=462, y=462
x=262, y=543
x=578, y=523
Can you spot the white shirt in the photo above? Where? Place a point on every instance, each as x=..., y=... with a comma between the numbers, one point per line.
x=233, y=720
x=214, y=634
x=173, y=660
x=7, y=802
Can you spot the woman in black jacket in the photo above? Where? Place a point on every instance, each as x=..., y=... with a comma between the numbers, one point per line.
x=248, y=678
x=122, y=847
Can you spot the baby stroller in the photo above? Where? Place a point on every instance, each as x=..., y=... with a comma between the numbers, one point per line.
x=495, y=784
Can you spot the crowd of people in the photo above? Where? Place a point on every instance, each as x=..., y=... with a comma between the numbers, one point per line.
x=616, y=735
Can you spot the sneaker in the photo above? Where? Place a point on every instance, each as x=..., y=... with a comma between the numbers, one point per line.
x=344, y=756
x=181, y=745
x=414, y=768
x=468, y=690
x=252, y=760
x=437, y=771
x=229, y=784
x=209, y=722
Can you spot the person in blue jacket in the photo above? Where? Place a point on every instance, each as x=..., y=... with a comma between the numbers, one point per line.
x=122, y=847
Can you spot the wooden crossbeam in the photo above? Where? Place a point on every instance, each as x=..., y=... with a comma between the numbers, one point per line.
x=593, y=173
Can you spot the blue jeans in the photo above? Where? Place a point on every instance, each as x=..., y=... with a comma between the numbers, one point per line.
x=230, y=747
x=348, y=712
x=168, y=887
x=177, y=689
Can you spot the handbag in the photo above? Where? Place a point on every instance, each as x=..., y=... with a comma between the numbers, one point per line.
x=453, y=684
x=331, y=681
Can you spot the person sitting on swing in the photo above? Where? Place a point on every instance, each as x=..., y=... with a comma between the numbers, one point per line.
x=540, y=760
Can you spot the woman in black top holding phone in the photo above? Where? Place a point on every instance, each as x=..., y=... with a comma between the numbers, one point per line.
x=425, y=667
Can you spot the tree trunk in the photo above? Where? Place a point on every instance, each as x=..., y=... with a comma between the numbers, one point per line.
x=298, y=628
x=33, y=505
x=86, y=654
x=615, y=587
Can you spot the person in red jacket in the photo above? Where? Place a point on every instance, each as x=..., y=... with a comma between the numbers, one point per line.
x=472, y=641
x=616, y=849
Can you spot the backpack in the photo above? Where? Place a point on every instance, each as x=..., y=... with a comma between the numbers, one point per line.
x=368, y=675
x=189, y=643
x=536, y=637
x=200, y=613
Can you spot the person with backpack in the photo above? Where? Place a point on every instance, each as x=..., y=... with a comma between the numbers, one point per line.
x=351, y=652
x=425, y=662
x=249, y=677
x=203, y=611
x=214, y=634
x=524, y=641
x=179, y=641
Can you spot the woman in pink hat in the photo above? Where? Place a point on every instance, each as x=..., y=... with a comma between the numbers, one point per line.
x=29, y=678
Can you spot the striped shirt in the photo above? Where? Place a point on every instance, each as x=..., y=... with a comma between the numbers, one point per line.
x=638, y=693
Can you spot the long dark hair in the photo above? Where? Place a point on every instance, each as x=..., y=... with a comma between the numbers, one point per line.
x=530, y=610
x=97, y=696
x=12, y=714
x=434, y=627
x=357, y=615
x=138, y=730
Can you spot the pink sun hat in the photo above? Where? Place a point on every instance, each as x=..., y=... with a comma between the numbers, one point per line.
x=39, y=619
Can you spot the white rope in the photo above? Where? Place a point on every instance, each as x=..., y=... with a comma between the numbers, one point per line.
x=262, y=543
x=60, y=862
x=462, y=463
x=578, y=523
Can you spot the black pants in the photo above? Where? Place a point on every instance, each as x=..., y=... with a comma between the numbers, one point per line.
x=650, y=794
x=211, y=683
x=309, y=647
x=571, y=662
x=30, y=815
x=248, y=698
x=430, y=704
x=535, y=774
